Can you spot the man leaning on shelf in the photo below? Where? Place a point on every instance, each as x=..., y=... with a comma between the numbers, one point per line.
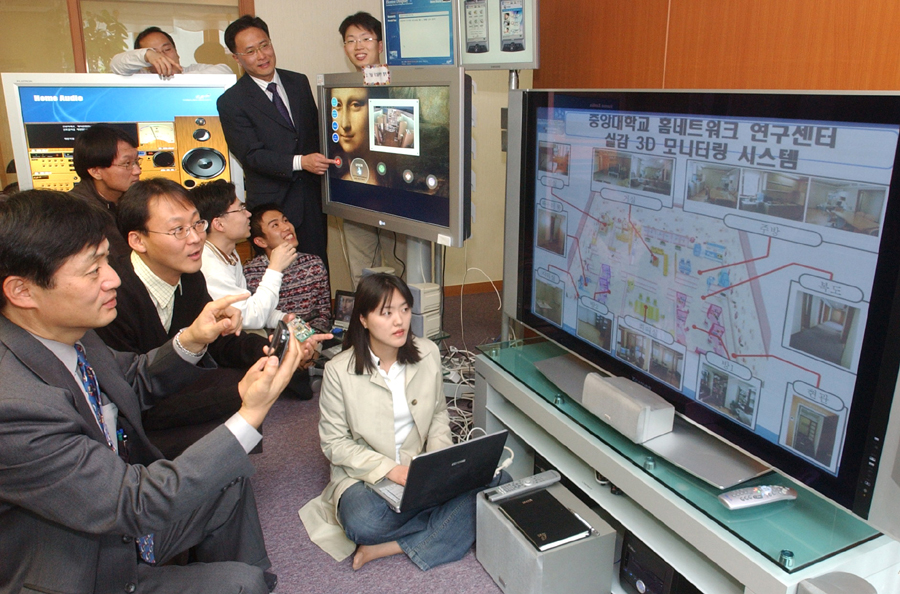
x=154, y=52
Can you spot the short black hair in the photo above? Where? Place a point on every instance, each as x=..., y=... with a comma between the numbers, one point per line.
x=243, y=23
x=213, y=198
x=40, y=230
x=256, y=230
x=363, y=20
x=97, y=147
x=9, y=190
x=148, y=31
x=373, y=292
x=133, y=208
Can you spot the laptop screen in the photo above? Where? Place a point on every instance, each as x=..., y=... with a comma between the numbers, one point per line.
x=343, y=308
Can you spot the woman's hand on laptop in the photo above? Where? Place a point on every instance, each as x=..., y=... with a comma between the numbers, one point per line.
x=398, y=474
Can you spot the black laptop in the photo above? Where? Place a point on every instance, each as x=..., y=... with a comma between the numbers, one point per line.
x=436, y=477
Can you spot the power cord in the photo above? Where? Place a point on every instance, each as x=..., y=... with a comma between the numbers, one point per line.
x=506, y=463
x=462, y=328
x=397, y=258
x=460, y=412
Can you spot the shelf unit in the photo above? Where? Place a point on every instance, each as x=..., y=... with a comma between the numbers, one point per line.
x=709, y=556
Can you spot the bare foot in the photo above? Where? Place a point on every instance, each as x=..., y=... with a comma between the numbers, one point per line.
x=366, y=553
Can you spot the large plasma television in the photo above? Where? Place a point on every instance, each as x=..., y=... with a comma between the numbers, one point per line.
x=403, y=151
x=736, y=252
x=174, y=122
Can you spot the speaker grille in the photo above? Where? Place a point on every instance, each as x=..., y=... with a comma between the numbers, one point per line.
x=164, y=159
x=203, y=163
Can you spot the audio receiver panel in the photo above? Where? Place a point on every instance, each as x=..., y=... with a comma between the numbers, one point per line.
x=189, y=150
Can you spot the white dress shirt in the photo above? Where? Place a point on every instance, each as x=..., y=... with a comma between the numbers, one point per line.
x=395, y=378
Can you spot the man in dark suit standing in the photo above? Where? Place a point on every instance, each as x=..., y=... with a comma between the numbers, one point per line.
x=271, y=125
x=86, y=503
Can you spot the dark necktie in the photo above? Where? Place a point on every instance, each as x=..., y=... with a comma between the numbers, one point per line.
x=279, y=104
x=92, y=387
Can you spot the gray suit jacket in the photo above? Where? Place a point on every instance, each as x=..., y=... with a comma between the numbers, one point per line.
x=265, y=144
x=70, y=508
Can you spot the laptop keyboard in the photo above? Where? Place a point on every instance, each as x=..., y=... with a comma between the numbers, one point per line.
x=393, y=491
x=330, y=352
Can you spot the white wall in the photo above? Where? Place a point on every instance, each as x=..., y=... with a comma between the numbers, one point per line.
x=306, y=39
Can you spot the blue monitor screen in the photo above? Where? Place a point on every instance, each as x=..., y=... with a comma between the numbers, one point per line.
x=174, y=122
x=419, y=32
x=115, y=104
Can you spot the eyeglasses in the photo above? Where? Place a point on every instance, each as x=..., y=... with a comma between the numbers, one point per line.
x=252, y=51
x=129, y=164
x=182, y=232
x=360, y=41
x=243, y=208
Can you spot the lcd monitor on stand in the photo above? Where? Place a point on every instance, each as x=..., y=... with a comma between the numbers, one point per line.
x=174, y=122
x=403, y=153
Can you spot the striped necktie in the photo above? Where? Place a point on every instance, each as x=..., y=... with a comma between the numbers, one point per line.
x=279, y=104
x=92, y=387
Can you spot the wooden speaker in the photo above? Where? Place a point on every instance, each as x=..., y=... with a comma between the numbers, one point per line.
x=202, y=150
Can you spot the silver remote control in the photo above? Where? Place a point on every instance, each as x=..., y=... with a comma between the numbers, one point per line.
x=522, y=486
x=751, y=496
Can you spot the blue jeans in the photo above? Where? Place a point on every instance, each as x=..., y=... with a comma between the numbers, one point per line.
x=429, y=537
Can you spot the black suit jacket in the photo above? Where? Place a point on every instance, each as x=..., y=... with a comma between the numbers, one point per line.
x=265, y=144
x=70, y=508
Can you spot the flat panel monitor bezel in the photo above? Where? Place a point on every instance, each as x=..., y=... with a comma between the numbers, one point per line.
x=13, y=82
x=459, y=87
x=879, y=362
x=425, y=9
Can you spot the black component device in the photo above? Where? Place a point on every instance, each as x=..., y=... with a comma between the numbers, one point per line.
x=280, y=338
x=644, y=572
x=577, y=176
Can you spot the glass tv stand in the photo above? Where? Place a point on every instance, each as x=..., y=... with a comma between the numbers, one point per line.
x=674, y=512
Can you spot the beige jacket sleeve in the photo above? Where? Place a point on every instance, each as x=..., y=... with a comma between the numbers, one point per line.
x=353, y=426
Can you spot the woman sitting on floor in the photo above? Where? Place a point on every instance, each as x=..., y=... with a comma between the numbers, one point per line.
x=381, y=404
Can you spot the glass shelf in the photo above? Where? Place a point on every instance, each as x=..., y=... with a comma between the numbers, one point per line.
x=811, y=527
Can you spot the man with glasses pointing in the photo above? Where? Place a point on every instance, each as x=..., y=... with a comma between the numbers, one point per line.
x=270, y=122
x=161, y=287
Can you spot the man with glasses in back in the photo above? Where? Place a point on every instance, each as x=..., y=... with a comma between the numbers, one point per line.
x=270, y=122
x=362, y=38
x=162, y=287
x=106, y=161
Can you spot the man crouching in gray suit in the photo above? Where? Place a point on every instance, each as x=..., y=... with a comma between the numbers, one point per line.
x=86, y=502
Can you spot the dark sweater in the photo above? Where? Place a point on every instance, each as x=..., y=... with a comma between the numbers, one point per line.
x=137, y=327
x=118, y=245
